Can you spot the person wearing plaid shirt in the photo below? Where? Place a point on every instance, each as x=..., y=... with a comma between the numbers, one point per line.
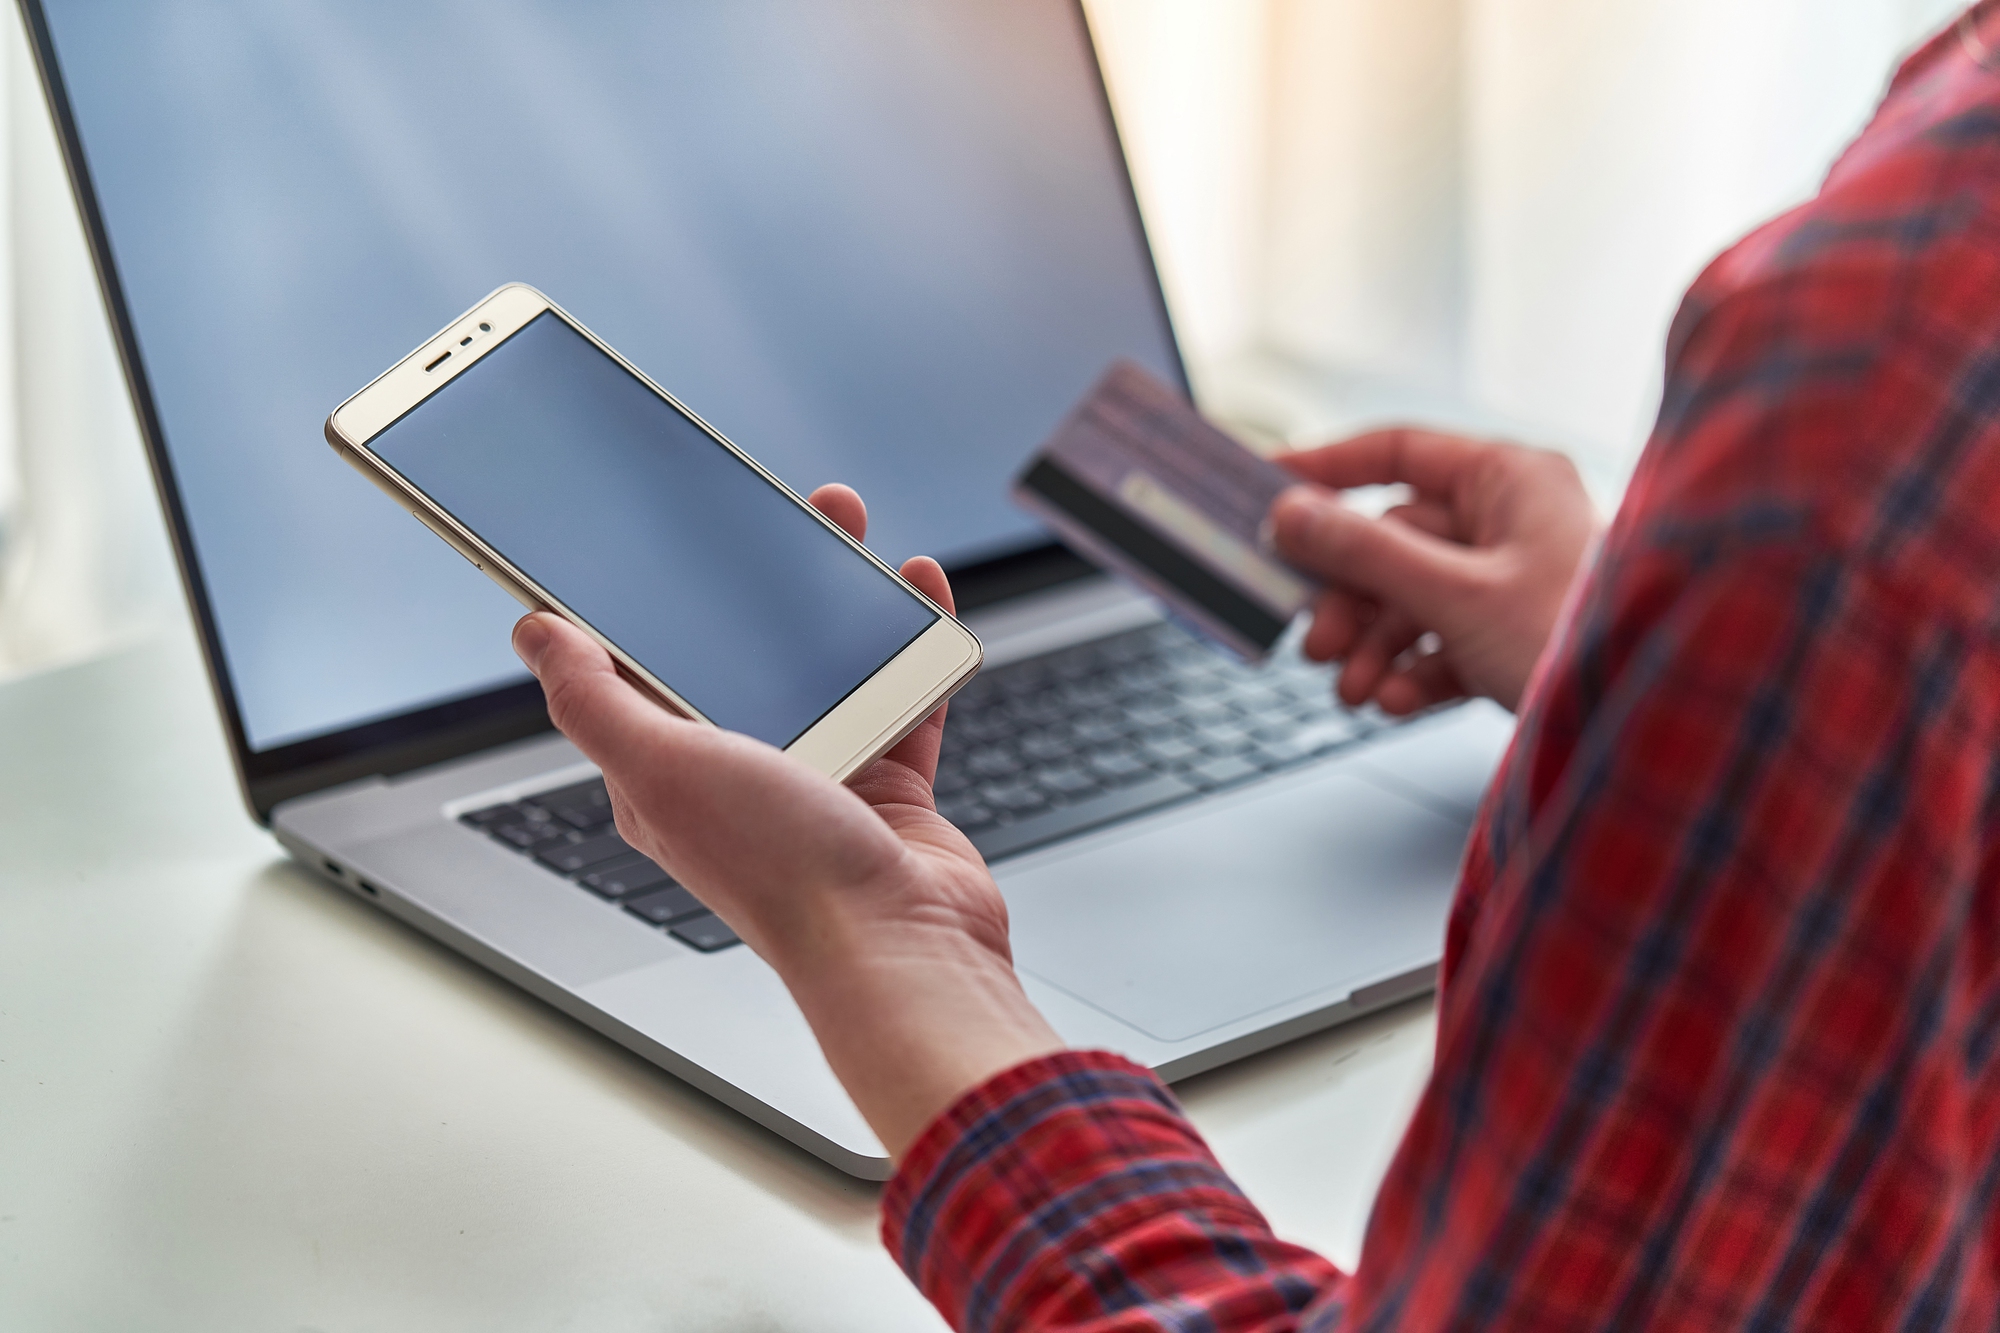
x=1719, y=1020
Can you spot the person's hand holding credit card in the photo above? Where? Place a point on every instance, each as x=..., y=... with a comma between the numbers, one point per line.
x=1453, y=592
x=1138, y=482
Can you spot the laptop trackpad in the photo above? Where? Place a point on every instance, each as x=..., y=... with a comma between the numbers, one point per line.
x=1180, y=924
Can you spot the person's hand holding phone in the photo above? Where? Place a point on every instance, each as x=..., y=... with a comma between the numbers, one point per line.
x=879, y=915
x=1481, y=556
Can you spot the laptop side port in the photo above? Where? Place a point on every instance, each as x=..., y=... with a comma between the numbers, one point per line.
x=335, y=869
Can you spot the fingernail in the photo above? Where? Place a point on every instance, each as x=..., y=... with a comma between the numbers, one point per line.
x=531, y=640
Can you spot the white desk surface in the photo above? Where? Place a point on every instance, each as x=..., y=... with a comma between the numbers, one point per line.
x=232, y=1097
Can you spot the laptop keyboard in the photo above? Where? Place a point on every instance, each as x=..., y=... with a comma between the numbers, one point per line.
x=1034, y=751
x=1045, y=748
x=569, y=831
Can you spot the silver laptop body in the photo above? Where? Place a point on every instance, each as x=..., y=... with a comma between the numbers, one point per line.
x=1281, y=866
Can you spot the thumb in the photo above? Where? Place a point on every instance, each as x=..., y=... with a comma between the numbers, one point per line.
x=1394, y=563
x=600, y=711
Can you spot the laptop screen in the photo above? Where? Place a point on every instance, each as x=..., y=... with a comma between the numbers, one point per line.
x=886, y=242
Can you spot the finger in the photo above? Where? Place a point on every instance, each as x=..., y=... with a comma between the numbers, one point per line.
x=1425, y=683
x=601, y=712
x=927, y=576
x=1392, y=562
x=1426, y=516
x=1426, y=459
x=1338, y=618
x=844, y=507
x=918, y=751
x=1388, y=637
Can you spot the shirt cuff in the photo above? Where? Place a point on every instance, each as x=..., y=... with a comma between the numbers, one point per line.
x=1064, y=1156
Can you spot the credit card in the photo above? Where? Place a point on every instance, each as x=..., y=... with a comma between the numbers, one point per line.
x=1137, y=482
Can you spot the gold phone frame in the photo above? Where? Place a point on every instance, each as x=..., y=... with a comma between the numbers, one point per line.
x=858, y=730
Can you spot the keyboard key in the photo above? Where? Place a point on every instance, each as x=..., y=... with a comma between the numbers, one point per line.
x=1276, y=754
x=1326, y=732
x=1143, y=675
x=1119, y=767
x=569, y=830
x=666, y=906
x=1169, y=749
x=967, y=814
x=1318, y=704
x=1101, y=730
x=1369, y=717
x=515, y=816
x=706, y=933
x=1064, y=820
x=1046, y=747
x=1212, y=714
x=1084, y=695
x=1305, y=743
x=1273, y=754
x=1224, y=738
x=1217, y=772
x=1069, y=783
x=585, y=818
x=623, y=878
x=1259, y=703
x=1036, y=710
x=531, y=838
x=568, y=858
x=1014, y=798
x=998, y=762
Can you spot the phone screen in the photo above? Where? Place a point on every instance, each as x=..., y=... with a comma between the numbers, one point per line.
x=663, y=540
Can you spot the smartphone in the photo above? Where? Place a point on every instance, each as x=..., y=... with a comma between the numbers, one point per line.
x=583, y=488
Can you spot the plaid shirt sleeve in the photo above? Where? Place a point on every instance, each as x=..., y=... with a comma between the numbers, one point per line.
x=1721, y=1007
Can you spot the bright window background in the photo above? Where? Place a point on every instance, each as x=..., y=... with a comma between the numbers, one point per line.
x=1479, y=212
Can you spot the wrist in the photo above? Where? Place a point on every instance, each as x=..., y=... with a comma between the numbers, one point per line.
x=913, y=1011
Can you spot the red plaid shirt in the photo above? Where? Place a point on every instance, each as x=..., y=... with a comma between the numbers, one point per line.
x=1718, y=1032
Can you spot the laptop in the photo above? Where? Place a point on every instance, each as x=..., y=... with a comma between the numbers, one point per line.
x=888, y=242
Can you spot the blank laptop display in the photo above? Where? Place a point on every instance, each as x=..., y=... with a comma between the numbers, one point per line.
x=885, y=244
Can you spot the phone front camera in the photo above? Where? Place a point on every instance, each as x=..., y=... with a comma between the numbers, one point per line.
x=486, y=328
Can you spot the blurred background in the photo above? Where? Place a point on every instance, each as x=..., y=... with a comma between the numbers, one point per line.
x=1472, y=212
